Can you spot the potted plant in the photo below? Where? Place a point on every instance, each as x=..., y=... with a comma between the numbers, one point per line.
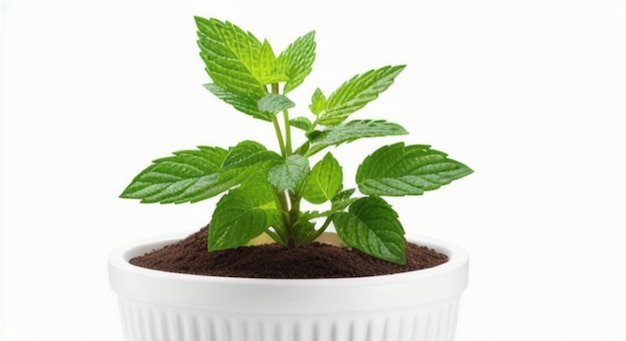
x=291, y=198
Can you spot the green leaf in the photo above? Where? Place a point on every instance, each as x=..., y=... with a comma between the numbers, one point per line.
x=318, y=102
x=305, y=227
x=298, y=59
x=372, y=226
x=324, y=182
x=342, y=200
x=397, y=170
x=248, y=153
x=289, y=174
x=275, y=103
x=241, y=215
x=266, y=69
x=231, y=55
x=356, y=93
x=245, y=104
x=302, y=149
x=351, y=131
x=301, y=123
x=188, y=176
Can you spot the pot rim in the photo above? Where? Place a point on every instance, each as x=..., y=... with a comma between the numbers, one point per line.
x=284, y=296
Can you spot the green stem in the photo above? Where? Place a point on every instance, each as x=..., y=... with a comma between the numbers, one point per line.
x=285, y=147
x=290, y=201
x=279, y=135
x=286, y=215
x=288, y=232
x=294, y=213
x=287, y=132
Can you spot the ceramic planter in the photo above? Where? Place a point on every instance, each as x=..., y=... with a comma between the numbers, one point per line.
x=413, y=306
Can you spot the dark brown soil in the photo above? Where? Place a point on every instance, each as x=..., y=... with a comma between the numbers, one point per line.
x=315, y=260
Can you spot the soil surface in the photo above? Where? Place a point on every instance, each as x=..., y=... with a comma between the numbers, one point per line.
x=314, y=260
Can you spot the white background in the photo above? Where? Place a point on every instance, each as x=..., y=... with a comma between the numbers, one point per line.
x=530, y=94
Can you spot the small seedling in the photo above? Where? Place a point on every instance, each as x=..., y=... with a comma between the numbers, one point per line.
x=264, y=189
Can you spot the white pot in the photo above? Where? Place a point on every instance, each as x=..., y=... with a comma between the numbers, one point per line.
x=412, y=306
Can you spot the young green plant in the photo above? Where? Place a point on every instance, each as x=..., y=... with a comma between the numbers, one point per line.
x=264, y=189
